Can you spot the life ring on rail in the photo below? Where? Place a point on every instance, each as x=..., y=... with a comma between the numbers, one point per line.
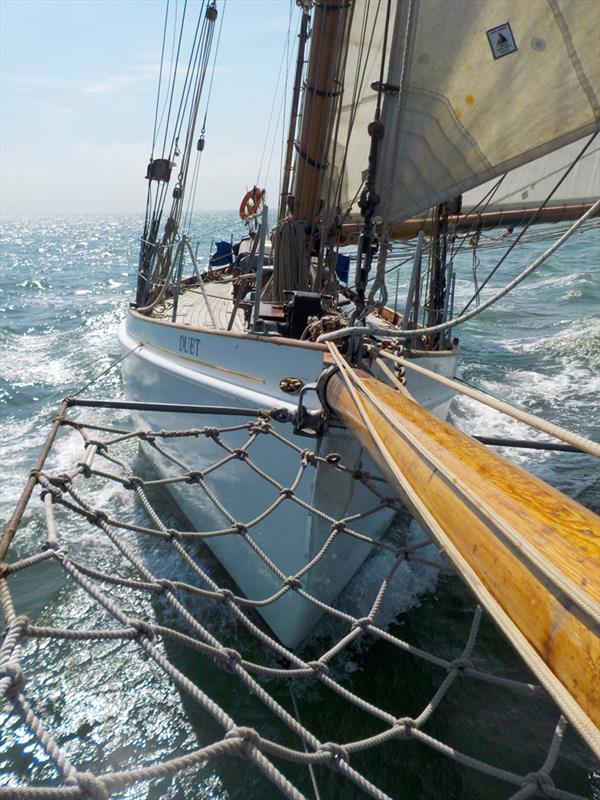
x=251, y=202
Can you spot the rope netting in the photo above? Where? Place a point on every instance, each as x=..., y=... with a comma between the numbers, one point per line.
x=98, y=458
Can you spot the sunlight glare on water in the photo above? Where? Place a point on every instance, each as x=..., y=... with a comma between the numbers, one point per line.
x=65, y=285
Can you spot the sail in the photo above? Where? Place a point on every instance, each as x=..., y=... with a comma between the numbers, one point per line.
x=362, y=66
x=528, y=186
x=473, y=89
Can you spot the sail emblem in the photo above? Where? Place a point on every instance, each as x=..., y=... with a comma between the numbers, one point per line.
x=501, y=40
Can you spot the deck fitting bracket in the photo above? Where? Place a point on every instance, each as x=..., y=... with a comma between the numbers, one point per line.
x=306, y=421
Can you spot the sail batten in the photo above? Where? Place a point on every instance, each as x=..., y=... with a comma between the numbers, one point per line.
x=475, y=90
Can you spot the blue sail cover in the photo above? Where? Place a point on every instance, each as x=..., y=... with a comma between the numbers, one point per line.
x=342, y=267
x=223, y=255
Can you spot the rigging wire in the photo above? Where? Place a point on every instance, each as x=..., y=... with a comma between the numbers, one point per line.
x=284, y=59
x=160, y=74
x=172, y=92
x=171, y=65
x=285, y=92
x=531, y=220
x=192, y=196
x=187, y=83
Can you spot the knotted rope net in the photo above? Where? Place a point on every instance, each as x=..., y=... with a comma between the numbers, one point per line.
x=151, y=587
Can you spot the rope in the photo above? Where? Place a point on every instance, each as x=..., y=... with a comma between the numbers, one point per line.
x=548, y=680
x=581, y=442
x=535, y=216
x=77, y=493
x=452, y=323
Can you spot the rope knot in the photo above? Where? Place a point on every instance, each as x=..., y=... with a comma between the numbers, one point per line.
x=241, y=454
x=12, y=670
x=63, y=479
x=194, y=476
x=260, y=426
x=362, y=623
x=336, y=753
x=333, y=458
x=308, y=457
x=92, y=787
x=241, y=529
x=461, y=664
x=225, y=595
x=404, y=727
x=97, y=515
x=147, y=436
x=165, y=585
x=249, y=737
x=142, y=628
x=211, y=433
x=135, y=482
x=406, y=553
x=286, y=492
x=358, y=475
x=56, y=546
x=174, y=534
x=318, y=668
x=540, y=780
x=227, y=658
x=292, y=582
x=100, y=446
x=85, y=471
x=338, y=527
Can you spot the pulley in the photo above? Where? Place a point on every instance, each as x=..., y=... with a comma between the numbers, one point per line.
x=200, y=145
x=159, y=169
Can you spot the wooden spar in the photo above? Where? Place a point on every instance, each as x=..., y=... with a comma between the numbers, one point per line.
x=320, y=99
x=474, y=503
x=473, y=222
x=285, y=187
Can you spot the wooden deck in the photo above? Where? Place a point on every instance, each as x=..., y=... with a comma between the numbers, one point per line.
x=192, y=309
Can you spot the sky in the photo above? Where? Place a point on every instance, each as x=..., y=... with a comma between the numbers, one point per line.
x=78, y=88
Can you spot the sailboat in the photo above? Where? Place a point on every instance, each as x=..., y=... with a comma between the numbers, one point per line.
x=411, y=120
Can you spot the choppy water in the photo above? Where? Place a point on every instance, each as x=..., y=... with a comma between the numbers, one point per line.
x=64, y=286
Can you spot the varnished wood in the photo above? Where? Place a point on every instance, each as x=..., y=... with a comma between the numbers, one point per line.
x=320, y=100
x=410, y=228
x=561, y=530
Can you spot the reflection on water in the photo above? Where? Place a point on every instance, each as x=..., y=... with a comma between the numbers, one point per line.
x=64, y=285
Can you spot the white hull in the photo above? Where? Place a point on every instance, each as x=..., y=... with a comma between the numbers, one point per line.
x=184, y=366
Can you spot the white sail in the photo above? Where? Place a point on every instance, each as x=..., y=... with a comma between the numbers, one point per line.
x=486, y=86
x=529, y=185
x=362, y=66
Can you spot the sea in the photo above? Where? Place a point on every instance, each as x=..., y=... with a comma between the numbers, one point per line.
x=64, y=288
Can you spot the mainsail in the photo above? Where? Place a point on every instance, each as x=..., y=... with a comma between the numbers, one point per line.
x=471, y=91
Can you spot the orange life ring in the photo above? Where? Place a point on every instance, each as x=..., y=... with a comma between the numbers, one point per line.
x=251, y=202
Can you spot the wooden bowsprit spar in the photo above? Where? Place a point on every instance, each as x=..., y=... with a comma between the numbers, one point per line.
x=529, y=553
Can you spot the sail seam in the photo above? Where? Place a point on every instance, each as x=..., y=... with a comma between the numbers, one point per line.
x=575, y=60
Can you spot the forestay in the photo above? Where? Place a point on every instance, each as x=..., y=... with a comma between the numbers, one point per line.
x=472, y=90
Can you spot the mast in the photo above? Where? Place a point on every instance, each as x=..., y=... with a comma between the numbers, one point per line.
x=302, y=39
x=321, y=91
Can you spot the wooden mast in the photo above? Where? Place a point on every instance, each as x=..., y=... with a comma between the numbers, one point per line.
x=302, y=39
x=321, y=91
